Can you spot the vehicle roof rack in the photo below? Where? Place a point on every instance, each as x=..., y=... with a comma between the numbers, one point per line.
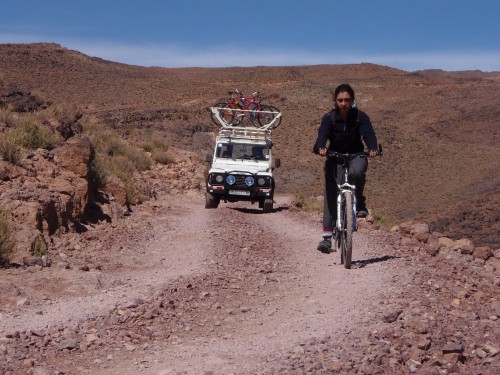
x=224, y=124
x=238, y=132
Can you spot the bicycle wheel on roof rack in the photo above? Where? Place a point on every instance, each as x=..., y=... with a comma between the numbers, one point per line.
x=226, y=113
x=267, y=115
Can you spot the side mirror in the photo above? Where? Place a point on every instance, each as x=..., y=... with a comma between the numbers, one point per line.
x=209, y=158
x=277, y=163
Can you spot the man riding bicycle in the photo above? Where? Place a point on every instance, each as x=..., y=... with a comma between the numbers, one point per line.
x=345, y=128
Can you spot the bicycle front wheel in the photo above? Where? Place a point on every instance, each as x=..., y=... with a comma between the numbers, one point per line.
x=269, y=115
x=226, y=114
x=346, y=230
x=220, y=106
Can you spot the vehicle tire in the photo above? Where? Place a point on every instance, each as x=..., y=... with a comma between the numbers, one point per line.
x=211, y=201
x=261, y=203
x=347, y=229
x=268, y=205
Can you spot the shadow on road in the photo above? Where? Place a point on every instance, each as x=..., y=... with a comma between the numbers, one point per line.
x=258, y=211
x=364, y=262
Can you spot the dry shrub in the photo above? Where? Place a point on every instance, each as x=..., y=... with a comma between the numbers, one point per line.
x=6, y=117
x=162, y=157
x=39, y=246
x=157, y=146
x=115, y=157
x=9, y=149
x=30, y=135
x=308, y=204
x=140, y=160
x=7, y=237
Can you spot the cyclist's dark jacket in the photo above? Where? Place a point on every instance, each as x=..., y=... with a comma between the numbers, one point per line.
x=346, y=137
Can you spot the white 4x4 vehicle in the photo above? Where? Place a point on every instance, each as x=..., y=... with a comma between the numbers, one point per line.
x=242, y=168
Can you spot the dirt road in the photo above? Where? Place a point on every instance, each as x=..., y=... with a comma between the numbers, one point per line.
x=177, y=289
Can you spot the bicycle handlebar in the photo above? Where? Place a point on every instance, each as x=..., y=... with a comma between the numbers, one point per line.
x=254, y=95
x=348, y=157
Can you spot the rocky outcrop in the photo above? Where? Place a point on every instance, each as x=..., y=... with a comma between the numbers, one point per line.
x=20, y=101
x=49, y=190
x=419, y=236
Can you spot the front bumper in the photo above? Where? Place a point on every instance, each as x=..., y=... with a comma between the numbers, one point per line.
x=263, y=186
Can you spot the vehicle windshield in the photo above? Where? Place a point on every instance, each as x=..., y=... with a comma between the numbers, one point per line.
x=242, y=151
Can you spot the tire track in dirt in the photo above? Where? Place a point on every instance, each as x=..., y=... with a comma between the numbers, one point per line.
x=171, y=251
x=247, y=288
x=301, y=294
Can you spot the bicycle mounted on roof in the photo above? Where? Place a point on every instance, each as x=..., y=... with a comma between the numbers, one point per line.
x=240, y=111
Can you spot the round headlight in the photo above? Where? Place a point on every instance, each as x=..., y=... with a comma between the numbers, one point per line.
x=219, y=178
x=249, y=181
x=230, y=179
x=261, y=181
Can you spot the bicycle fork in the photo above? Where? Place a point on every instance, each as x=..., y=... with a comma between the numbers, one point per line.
x=345, y=187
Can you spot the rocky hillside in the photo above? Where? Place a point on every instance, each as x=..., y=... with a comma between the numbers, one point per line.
x=439, y=129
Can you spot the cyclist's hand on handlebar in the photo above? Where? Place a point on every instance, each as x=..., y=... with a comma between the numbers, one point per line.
x=323, y=151
x=372, y=153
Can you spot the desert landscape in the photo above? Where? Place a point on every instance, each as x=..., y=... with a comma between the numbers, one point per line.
x=116, y=267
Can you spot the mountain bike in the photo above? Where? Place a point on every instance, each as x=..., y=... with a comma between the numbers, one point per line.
x=238, y=109
x=241, y=109
x=346, y=207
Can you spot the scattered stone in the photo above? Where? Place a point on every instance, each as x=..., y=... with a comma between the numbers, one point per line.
x=464, y=245
x=32, y=260
x=392, y=316
x=22, y=302
x=70, y=343
x=424, y=344
x=483, y=252
x=491, y=349
x=453, y=347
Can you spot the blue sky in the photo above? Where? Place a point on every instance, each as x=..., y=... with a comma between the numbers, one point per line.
x=405, y=34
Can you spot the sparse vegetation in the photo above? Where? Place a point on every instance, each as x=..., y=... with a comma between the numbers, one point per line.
x=308, y=204
x=39, y=246
x=29, y=134
x=7, y=237
x=9, y=149
x=6, y=117
x=162, y=157
x=157, y=147
x=382, y=220
x=116, y=157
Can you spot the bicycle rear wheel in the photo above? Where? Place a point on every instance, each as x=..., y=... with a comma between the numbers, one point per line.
x=269, y=117
x=346, y=230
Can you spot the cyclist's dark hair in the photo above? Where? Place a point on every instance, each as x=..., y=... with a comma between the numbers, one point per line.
x=343, y=88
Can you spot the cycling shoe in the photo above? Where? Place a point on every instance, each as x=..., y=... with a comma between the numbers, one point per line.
x=325, y=246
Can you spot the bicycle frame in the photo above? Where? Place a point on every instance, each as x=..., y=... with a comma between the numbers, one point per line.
x=241, y=104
